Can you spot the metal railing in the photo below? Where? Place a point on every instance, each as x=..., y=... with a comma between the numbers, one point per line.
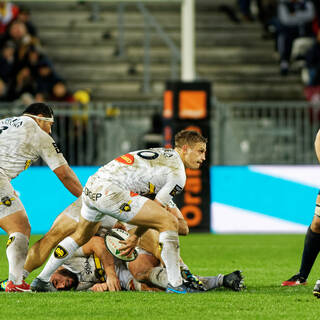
x=241, y=133
x=96, y=133
x=265, y=133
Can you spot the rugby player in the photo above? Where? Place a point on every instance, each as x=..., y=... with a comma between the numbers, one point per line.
x=85, y=270
x=23, y=140
x=118, y=189
x=66, y=223
x=311, y=243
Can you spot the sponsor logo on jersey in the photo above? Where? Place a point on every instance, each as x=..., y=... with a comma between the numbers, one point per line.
x=14, y=122
x=27, y=164
x=60, y=252
x=94, y=196
x=56, y=147
x=87, y=267
x=168, y=153
x=7, y=201
x=125, y=207
x=126, y=159
x=10, y=240
x=175, y=190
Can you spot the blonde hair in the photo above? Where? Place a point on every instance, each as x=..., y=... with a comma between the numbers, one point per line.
x=188, y=137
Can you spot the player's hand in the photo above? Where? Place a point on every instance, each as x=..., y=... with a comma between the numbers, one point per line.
x=113, y=283
x=119, y=225
x=99, y=287
x=128, y=245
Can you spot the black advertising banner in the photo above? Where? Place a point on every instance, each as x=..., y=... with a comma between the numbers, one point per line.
x=187, y=107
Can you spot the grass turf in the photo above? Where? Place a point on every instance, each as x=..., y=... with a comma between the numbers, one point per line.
x=266, y=260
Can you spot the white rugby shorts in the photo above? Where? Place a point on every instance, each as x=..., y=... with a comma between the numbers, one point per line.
x=9, y=200
x=73, y=211
x=102, y=197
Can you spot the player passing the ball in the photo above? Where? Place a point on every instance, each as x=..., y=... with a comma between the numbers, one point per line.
x=23, y=140
x=122, y=189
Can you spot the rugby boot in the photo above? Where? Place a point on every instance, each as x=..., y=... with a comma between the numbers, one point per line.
x=295, y=280
x=192, y=280
x=38, y=285
x=316, y=289
x=23, y=287
x=182, y=289
x=234, y=281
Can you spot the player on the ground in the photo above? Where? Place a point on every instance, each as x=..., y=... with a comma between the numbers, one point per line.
x=64, y=225
x=23, y=140
x=85, y=270
x=148, y=268
x=118, y=190
x=311, y=244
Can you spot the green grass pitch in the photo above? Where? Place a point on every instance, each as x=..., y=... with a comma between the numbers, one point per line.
x=266, y=260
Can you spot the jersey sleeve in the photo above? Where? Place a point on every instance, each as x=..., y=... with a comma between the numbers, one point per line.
x=49, y=151
x=173, y=186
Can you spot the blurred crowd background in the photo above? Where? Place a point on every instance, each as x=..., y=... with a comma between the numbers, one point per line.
x=104, y=65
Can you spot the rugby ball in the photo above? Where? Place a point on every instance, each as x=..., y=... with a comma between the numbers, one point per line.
x=112, y=239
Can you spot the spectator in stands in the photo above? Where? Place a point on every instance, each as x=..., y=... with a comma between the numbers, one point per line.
x=22, y=83
x=24, y=16
x=6, y=68
x=8, y=12
x=46, y=79
x=60, y=93
x=245, y=10
x=313, y=63
x=34, y=58
x=295, y=20
x=267, y=14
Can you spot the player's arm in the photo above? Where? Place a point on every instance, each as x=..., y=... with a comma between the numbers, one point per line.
x=317, y=145
x=69, y=179
x=97, y=246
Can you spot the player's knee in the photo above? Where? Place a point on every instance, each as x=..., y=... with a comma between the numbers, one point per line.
x=171, y=223
x=183, y=228
x=81, y=238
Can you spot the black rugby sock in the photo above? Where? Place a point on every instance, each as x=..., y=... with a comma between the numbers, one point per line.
x=310, y=252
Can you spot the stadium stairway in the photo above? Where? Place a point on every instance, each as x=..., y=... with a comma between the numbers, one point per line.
x=234, y=57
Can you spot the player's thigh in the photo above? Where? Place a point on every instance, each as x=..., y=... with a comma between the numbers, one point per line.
x=16, y=222
x=152, y=215
x=84, y=231
x=62, y=227
x=13, y=217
